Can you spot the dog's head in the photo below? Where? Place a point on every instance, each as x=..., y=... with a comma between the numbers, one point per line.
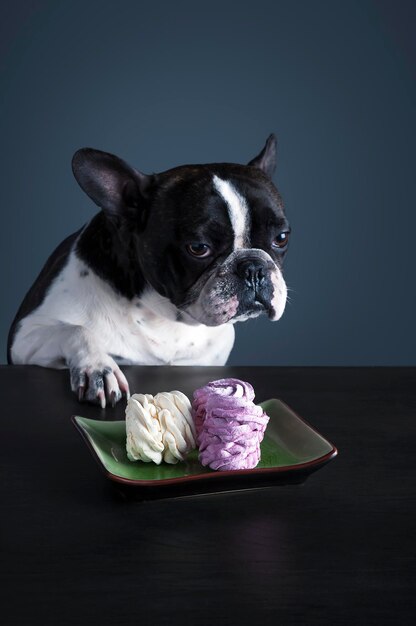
x=210, y=238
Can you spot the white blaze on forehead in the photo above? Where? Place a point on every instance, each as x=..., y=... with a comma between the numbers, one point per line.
x=237, y=210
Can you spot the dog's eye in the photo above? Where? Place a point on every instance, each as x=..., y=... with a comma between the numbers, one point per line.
x=280, y=241
x=198, y=249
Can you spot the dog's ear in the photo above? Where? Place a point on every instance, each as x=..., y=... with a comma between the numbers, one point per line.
x=266, y=160
x=109, y=181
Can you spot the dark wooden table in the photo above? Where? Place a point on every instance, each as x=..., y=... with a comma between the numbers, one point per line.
x=338, y=550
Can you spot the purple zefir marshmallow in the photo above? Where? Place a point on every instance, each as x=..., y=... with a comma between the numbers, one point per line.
x=229, y=424
x=227, y=387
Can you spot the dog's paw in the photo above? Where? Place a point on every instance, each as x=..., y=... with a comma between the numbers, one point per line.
x=99, y=384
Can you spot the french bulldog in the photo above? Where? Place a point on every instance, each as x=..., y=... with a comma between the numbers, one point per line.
x=160, y=275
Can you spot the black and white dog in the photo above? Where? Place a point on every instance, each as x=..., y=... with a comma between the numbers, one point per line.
x=159, y=275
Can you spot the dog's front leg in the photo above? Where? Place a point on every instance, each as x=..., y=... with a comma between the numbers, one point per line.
x=95, y=376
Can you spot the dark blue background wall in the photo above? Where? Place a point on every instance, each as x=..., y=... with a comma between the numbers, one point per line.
x=165, y=83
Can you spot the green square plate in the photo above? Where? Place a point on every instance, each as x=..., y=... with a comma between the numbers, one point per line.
x=290, y=451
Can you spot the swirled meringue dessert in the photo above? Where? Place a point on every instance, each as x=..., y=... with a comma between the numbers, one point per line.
x=230, y=427
x=159, y=428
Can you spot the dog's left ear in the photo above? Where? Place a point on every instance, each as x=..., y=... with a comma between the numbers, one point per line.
x=109, y=181
x=266, y=160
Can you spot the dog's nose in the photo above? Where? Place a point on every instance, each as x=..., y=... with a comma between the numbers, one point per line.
x=253, y=271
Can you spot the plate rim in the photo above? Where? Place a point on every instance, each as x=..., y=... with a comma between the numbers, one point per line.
x=218, y=474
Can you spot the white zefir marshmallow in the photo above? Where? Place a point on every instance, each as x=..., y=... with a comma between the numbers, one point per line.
x=159, y=427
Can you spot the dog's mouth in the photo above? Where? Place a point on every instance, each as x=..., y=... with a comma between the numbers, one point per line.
x=254, y=303
x=257, y=307
x=228, y=313
x=254, y=309
x=228, y=298
x=264, y=306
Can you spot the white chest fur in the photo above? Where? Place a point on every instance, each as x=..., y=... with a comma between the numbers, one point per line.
x=143, y=331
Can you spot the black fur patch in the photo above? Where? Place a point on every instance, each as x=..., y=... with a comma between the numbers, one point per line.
x=110, y=250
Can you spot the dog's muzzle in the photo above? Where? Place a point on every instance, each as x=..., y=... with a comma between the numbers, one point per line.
x=247, y=284
x=256, y=293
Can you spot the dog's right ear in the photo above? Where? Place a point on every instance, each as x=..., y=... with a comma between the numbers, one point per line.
x=109, y=181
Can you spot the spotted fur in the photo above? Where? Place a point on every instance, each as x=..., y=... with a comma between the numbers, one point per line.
x=85, y=321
